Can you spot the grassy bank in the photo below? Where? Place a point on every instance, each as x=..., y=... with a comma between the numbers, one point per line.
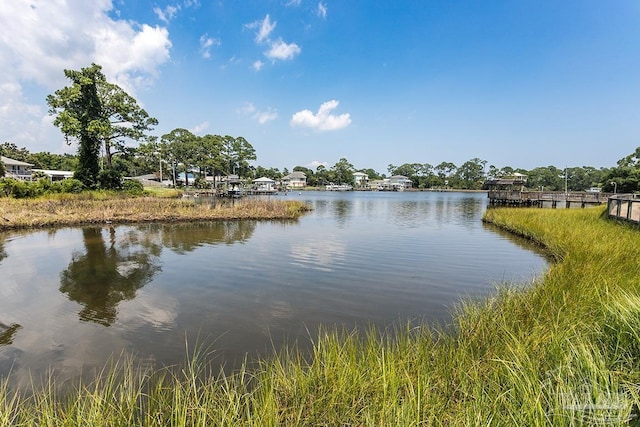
x=100, y=208
x=564, y=351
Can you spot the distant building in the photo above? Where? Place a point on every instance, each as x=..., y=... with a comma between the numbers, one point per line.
x=54, y=175
x=295, y=179
x=16, y=169
x=360, y=180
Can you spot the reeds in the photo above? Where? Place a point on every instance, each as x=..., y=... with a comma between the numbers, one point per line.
x=99, y=208
x=563, y=351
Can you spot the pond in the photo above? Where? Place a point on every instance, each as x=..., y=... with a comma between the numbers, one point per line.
x=70, y=298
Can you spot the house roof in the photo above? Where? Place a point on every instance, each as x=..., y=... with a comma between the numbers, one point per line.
x=359, y=174
x=296, y=175
x=264, y=179
x=12, y=162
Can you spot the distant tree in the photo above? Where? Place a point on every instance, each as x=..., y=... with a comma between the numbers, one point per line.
x=626, y=175
x=343, y=172
x=444, y=172
x=179, y=146
x=549, y=178
x=9, y=149
x=235, y=153
x=470, y=175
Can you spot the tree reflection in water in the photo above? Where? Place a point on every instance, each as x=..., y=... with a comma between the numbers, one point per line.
x=8, y=333
x=106, y=275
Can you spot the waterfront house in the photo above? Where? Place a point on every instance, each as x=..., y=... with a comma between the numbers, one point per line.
x=295, y=179
x=360, y=180
x=17, y=169
x=264, y=185
x=399, y=183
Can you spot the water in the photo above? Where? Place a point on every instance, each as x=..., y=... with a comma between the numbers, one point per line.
x=70, y=298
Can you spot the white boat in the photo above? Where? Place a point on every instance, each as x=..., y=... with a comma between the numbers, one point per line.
x=339, y=187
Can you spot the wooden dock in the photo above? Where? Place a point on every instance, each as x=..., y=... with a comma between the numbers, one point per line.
x=624, y=207
x=552, y=199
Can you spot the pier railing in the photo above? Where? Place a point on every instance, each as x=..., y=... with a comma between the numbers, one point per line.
x=624, y=207
x=545, y=198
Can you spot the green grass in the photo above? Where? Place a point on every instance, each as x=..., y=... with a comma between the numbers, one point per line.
x=563, y=351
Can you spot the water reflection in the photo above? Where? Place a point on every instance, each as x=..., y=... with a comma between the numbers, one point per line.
x=105, y=275
x=342, y=210
x=187, y=237
x=7, y=333
x=3, y=253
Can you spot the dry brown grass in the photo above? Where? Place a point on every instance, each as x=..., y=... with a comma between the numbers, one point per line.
x=26, y=213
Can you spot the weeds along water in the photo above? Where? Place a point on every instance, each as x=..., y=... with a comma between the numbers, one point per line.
x=563, y=351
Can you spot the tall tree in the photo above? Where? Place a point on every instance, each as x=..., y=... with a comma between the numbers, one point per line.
x=127, y=120
x=97, y=114
x=235, y=155
x=79, y=115
x=343, y=171
x=180, y=147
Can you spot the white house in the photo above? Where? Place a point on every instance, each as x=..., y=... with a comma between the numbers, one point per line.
x=17, y=169
x=295, y=179
x=264, y=185
x=54, y=175
x=360, y=180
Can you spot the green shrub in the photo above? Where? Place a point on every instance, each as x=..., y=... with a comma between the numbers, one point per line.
x=201, y=183
x=11, y=187
x=110, y=179
x=71, y=185
x=132, y=186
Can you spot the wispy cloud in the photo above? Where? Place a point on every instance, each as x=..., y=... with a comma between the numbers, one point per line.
x=206, y=43
x=278, y=49
x=262, y=117
x=166, y=14
x=257, y=65
x=264, y=27
x=170, y=11
x=322, y=10
x=197, y=129
x=323, y=119
x=293, y=3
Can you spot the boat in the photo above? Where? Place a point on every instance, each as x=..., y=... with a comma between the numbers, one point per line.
x=339, y=187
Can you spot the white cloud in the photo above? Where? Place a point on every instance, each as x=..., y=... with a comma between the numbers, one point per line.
x=293, y=3
x=247, y=108
x=323, y=120
x=322, y=10
x=283, y=51
x=167, y=14
x=171, y=10
x=197, y=129
x=38, y=40
x=265, y=28
x=262, y=117
x=206, y=43
x=257, y=65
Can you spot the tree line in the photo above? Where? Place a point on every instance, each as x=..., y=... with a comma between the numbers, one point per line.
x=105, y=121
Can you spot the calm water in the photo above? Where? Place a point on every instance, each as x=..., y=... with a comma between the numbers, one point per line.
x=70, y=298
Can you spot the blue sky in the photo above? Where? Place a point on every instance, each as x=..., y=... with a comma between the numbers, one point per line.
x=515, y=83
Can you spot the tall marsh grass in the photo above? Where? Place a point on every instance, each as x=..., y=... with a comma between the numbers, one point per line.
x=564, y=351
x=105, y=207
